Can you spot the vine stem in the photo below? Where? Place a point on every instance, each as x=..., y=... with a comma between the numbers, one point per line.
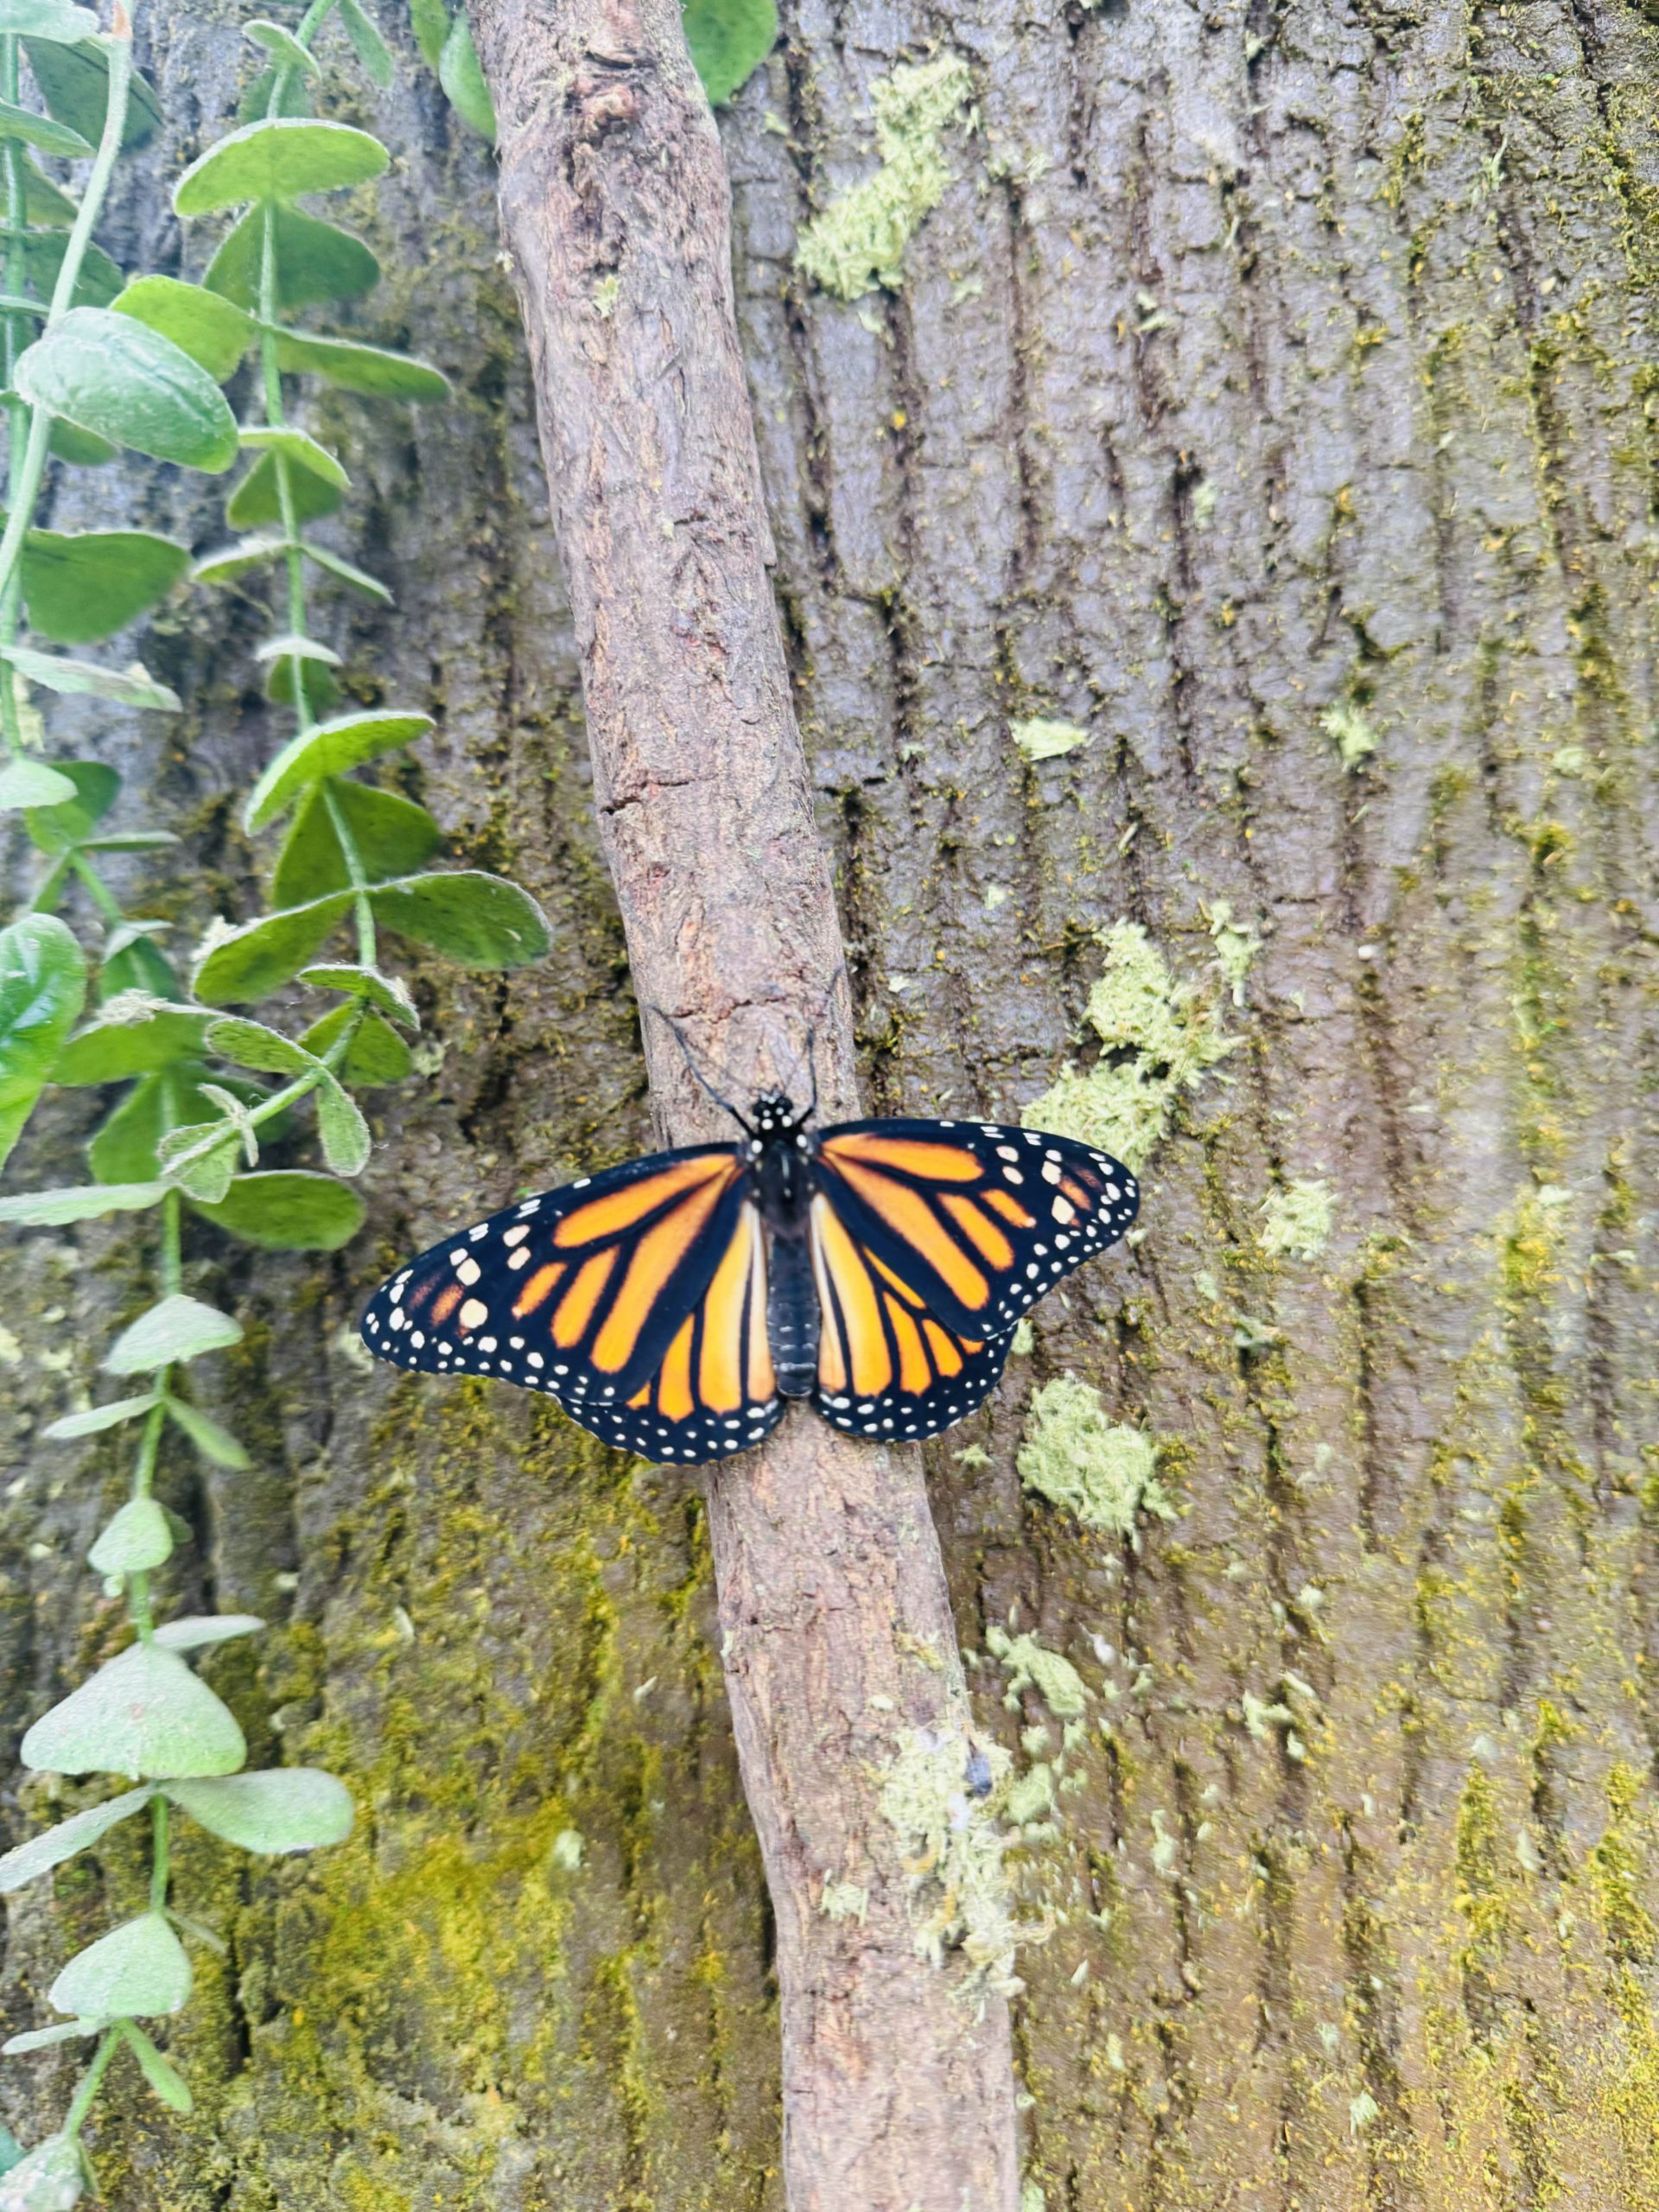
x=24, y=484
x=17, y=277
x=86, y=2089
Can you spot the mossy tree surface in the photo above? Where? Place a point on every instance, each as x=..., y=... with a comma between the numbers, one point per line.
x=1267, y=398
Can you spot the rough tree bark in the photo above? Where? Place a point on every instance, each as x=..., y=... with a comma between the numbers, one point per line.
x=836, y=1632
x=1256, y=364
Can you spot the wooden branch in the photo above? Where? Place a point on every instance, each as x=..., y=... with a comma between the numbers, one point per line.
x=837, y=1638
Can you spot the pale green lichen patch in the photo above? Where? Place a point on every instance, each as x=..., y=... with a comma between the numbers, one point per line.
x=1356, y=740
x=858, y=243
x=844, y=1901
x=953, y=1842
x=1041, y=739
x=1029, y=1665
x=1236, y=945
x=1159, y=1037
x=1102, y=1471
x=1296, y=1221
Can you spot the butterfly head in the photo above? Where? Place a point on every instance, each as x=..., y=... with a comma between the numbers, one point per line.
x=775, y=1114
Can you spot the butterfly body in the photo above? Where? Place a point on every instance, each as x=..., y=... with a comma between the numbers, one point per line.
x=675, y=1304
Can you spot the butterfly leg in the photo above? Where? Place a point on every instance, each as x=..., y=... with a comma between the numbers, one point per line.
x=792, y=1318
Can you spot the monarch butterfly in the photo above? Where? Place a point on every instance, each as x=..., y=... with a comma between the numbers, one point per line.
x=673, y=1305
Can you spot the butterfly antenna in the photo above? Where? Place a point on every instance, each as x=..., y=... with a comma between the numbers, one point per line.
x=697, y=1073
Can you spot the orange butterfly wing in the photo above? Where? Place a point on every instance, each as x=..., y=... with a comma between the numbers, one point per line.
x=637, y=1298
x=930, y=1240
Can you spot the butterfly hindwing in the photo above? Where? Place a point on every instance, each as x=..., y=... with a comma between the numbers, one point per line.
x=976, y=1220
x=635, y=1297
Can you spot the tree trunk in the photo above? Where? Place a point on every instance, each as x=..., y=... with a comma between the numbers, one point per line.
x=1267, y=395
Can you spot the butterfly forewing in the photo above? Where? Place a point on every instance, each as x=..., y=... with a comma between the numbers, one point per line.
x=976, y=1220
x=635, y=1297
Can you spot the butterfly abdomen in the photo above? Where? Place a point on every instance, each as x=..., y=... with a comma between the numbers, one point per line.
x=793, y=1318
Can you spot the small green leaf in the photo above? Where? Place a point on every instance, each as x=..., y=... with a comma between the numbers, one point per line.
x=25, y=783
x=283, y=46
x=74, y=82
x=139, y=1537
x=278, y=159
x=124, y=1148
x=293, y=647
x=45, y=206
x=125, y=382
x=162, y=2075
x=42, y=986
x=42, y=2039
x=131, y=1036
x=430, y=20
x=143, y=1713
x=54, y=828
x=40, y=131
x=251, y=961
x=128, y=687
x=52, y=2178
x=46, y=19
x=79, y=448
x=138, y=1968
x=100, y=281
x=201, y=1157
x=42, y=1852
x=353, y=367
x=347, y=571
x=393, y=836
x=289, y=1210
x=377, y=1054
x=341, y=1125
x=213, y=331
x=53, y=1209
x=479, y=919
x=463, y=79
x=214, y=1443
x=194, y=1630
x=232, y=562
x=280, y=1808
x=251, y=1045
x=389, y=992
x=728, y=40
x=178, y=1328
x=298, y=447
x=316, y=261
x=370, y=47
x=328, y=750
x=99, y=1417
x=89, y=583
x=258, y=499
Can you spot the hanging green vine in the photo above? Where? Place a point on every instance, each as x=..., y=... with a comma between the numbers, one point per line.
x=139, y=366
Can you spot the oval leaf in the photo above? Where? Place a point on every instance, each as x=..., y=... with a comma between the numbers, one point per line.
x=162, y=2075
x=376, y=1054
x=282, y=1808
x=367, y=44
x=316, y=261
x=46, y=19
x=463, y=79
x=289, y=1210
x=295, y=446
x=345, y=1133
x=117, y=378
x=180, y=1327
x=139, y=1537
x=729, y=40
x=128, y=1039
x=251, y=1044
x=366, y=369
x=139, y=1968
x=389, y=992
x=95, y=1418
x=50, y=2179
x=213, y=331
x=283, y=46
x=393, y=836
x=478, y=919
x=42, y=1852
x=74, y=82
x=40, y=131
x=54, y=828
x=42, y=985
x=122, y=687
x=278, y=159
x=143, y=1713
x=194, y=1629
x=90, y=583
x=328, y=750
x=249, y=961
x=25, y=783
x=53, y=1209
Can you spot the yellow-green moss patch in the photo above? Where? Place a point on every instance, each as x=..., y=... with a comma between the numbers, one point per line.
x=1297, y=1221
x=1102, y=1471
x=858, y=243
